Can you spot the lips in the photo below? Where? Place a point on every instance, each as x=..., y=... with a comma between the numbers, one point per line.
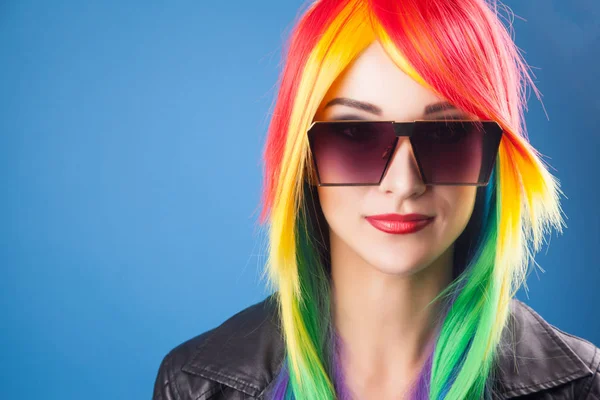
x=399, y=224
x=399, y=217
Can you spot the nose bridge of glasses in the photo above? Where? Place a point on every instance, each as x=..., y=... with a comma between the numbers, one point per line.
x=403, y=132
x=402, y=150
x=403, y=128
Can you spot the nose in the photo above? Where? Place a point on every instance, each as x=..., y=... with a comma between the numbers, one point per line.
x=402, y=176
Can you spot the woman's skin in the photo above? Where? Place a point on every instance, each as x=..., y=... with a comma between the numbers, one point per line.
x=382, y=281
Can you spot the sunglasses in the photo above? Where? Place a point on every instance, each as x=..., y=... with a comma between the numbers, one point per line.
x=448, y=152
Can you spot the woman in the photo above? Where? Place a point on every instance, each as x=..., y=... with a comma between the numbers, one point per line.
x=397, y=165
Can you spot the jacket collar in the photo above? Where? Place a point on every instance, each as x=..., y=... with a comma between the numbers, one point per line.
x=534, y=355
x=246, y=353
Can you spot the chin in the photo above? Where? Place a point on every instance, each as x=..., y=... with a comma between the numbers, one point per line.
x=401, y=266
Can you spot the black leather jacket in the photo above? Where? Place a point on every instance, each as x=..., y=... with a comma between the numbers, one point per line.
x=240, y=359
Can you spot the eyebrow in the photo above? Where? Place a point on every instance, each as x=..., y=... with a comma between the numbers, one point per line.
x=373, y=109
x=359, y=105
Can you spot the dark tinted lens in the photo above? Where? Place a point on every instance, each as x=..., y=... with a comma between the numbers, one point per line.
x=351, y=152
x=456, y=152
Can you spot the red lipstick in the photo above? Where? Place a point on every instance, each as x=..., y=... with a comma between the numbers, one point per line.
x=399, y=224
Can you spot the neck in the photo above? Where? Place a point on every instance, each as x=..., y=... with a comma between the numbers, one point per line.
x=383, y=319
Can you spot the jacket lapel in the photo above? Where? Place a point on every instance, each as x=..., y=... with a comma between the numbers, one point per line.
x=244, y=353
x=533, y=356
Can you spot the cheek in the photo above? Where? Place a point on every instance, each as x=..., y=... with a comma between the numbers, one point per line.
x=340, y=205
x=457, y=204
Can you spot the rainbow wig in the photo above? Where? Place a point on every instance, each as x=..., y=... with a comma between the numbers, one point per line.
x=461, y=50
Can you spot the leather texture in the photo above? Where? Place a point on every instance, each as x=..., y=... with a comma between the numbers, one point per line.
x=240, y=358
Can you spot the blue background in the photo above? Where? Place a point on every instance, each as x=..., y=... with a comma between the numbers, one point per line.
x=130, y=144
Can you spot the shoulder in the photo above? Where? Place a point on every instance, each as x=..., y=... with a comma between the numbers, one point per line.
x=556, y=363
x=235, y=360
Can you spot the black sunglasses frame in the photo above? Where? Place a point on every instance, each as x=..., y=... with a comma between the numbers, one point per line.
x=406, y=129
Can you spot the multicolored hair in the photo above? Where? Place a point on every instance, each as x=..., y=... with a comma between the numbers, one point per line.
x=461, y=50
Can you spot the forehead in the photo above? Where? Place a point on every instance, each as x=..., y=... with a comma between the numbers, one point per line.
x=374, y=78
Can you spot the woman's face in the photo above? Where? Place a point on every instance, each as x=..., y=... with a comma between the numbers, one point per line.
x=373, y=78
